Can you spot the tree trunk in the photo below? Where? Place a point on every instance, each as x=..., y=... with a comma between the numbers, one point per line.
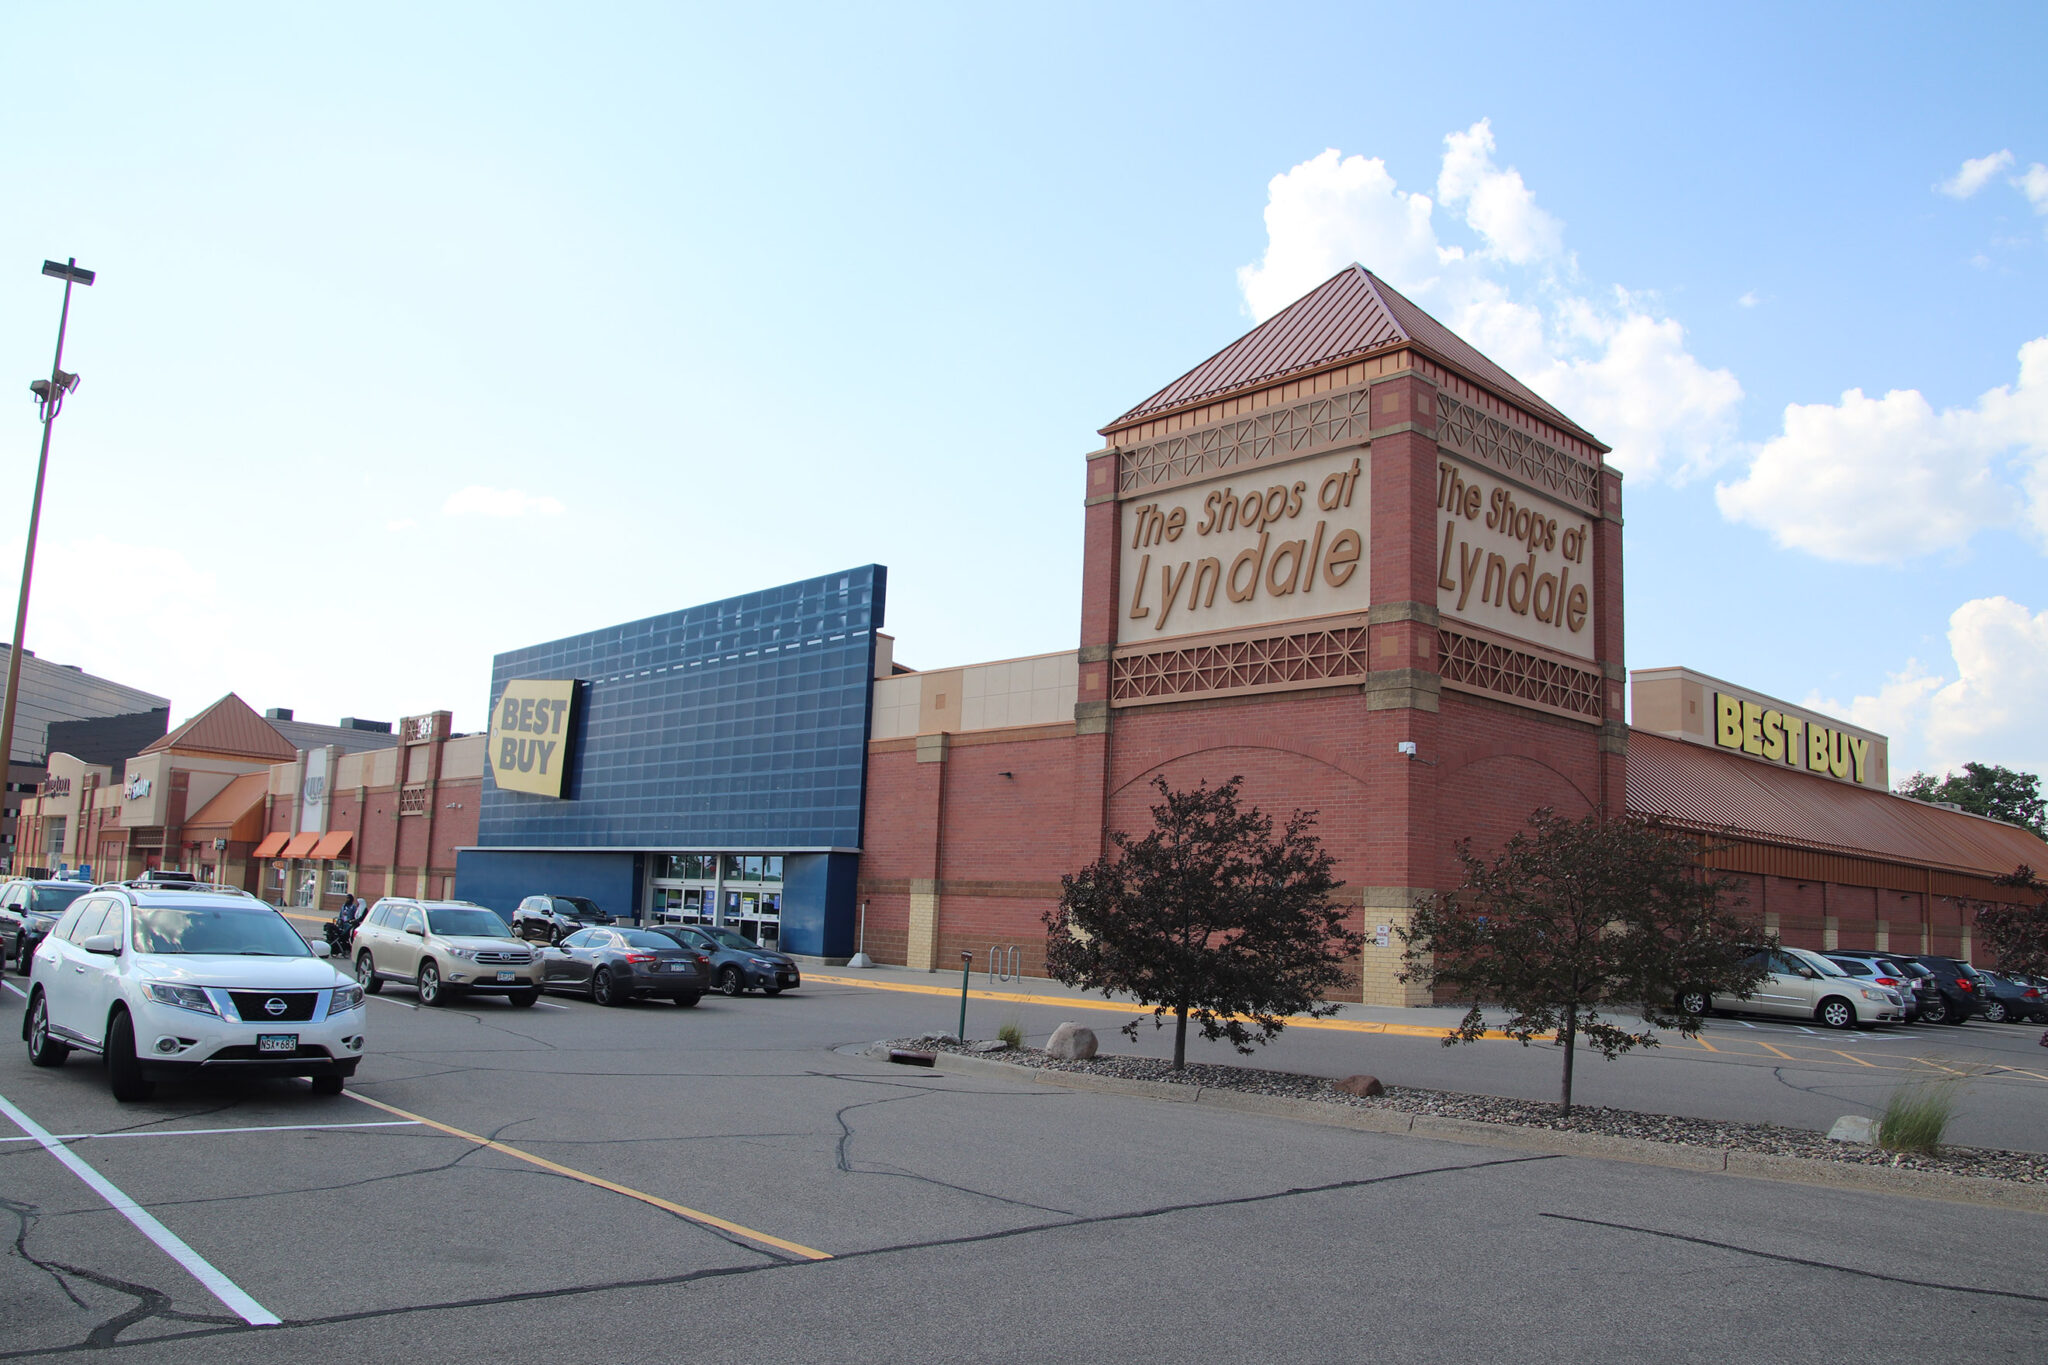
x=1571, y=1033
x=1180, y=1038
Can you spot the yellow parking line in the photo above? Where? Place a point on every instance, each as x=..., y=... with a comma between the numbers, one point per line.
x=694, y=1215
x=1786, y=1055
x=1703, y=1043
x=1069, y=1002
x=1858, y=1060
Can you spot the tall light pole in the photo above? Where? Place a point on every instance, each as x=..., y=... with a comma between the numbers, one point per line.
x=50, y=395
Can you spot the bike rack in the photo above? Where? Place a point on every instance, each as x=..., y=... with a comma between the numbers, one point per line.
x=1005, y=964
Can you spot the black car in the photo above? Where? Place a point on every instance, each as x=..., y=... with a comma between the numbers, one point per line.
x=29, y=909
x=613, y=966
x=1959, y=995
x=551, y=918
x=2011, y=1001
x=738, y=964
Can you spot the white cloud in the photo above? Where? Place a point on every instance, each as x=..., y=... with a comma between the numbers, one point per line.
x=1880, y=480
x=1611, y=361
x=1993, y=710
x=1975, y=175
x=479, y=501
x=1499, y=207
x=2033, y=183
x=1748, y=300
x=401, y=524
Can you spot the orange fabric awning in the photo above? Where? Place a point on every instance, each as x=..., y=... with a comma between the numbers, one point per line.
x=301, y=844
x=273, y=843
x=332, y=844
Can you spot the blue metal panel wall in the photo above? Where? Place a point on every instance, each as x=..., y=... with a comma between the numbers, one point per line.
x=503, y=879
x=739, y=724
x=818, y=903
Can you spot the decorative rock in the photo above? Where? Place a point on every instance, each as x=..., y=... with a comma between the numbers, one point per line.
x=937, y=1038
x=989, y=1045
x=1365, y=1087
x=1854, y=1128
x=1071, y=1043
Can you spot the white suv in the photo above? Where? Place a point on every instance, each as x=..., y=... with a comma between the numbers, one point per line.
x=165, y=982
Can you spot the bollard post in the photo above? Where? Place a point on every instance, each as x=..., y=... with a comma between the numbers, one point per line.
x=966, y=968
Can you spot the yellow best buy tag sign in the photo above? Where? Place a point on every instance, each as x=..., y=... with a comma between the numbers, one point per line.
x=530, y=735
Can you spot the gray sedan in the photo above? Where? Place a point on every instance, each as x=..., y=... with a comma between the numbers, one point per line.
x=613, y=966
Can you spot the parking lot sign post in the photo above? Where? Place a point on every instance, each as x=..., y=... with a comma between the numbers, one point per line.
x=966, y=966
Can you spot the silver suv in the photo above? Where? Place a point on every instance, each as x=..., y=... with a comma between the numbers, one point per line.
x=444, y=949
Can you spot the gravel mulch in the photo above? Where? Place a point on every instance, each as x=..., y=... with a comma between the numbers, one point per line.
x=1766, y=1138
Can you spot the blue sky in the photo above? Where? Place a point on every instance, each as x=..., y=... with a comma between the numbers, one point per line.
x=427, y=332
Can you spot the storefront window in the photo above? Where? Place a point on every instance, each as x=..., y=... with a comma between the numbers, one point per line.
x=773, y=871
x=337, y=881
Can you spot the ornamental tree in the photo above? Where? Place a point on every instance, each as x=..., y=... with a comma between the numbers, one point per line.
x=2016, y=931
x=1209, y=916
x=1577, y=922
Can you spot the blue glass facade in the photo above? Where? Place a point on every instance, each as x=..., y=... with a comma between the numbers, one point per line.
x=740, y=724
x=730, y=727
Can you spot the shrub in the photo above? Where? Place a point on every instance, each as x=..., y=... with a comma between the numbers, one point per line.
x=1011, y=1032
x=1917, y=1114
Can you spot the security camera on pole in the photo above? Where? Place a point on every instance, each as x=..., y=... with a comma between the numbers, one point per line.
x=50, y=394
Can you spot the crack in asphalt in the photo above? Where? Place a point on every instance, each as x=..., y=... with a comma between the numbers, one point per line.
x=726, y=1272
x=845, y=1162
x=1805, y=1261
x=150, y=1303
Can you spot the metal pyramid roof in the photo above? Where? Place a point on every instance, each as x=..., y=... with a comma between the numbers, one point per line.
x=230, y=728
x=1352, y=312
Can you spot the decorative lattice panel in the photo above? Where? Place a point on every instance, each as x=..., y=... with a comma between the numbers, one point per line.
x=1467, y=430
x=1315, y=425
x=1242, y=665
x=1508, y=672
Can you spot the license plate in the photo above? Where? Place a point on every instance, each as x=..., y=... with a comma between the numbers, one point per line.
x=277, y=1042
x=789, y=979
x=677, y=967
x=508, y=976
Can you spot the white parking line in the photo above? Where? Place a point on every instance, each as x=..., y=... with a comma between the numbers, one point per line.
x=16, y=989
x=201, y=1269
x=400, y=1003
x=201, y=1132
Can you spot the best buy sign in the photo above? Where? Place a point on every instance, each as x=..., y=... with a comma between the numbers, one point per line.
x=1778, y=736
x=530, y=728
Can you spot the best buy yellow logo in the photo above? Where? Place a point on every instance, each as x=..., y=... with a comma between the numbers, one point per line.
x=530, y=728
x=1781, y=737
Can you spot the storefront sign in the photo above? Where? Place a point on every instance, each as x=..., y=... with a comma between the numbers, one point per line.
x=1781, y=737
x=137, y=788
x=1513, y=562
x=419, y=729
x=1248, y=550
x=313, y=791
x=530, y=728
x=57, y=786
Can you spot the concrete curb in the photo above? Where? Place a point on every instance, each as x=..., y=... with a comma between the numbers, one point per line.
x=1955, y=1189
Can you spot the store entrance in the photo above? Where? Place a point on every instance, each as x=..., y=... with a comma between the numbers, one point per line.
x=737, y=891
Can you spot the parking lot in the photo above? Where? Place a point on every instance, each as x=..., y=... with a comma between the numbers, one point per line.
x=733, y=1182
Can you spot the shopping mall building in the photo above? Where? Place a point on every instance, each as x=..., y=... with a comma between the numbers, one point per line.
x=1347, y=558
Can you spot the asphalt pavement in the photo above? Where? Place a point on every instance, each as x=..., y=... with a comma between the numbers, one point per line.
x=731, y=1182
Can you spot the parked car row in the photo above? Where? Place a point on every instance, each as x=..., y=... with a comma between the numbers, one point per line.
x=1852, y=988
x=446, y=949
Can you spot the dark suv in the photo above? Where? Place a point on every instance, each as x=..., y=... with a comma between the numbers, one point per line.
x=29, y=909
x=550, y=919
x=1958, y=996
